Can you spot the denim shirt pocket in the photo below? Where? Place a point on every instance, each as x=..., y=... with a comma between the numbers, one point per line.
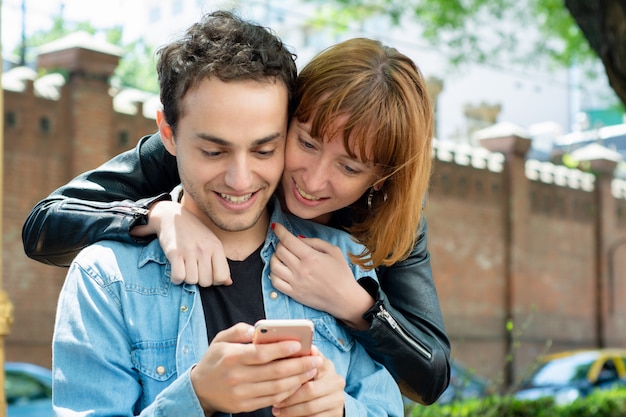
x=328, y=330
x=334, y=342
x=155, y=362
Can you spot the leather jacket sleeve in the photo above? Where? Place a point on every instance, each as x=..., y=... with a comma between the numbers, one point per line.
x=407, y=333
x=105, y=203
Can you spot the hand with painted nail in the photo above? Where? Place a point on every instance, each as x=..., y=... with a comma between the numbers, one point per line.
x=317, y=274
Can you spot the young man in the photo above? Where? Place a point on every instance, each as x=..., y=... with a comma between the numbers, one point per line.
x=129, y=342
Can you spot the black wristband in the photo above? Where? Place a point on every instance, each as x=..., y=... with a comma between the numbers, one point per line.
x=371, y=286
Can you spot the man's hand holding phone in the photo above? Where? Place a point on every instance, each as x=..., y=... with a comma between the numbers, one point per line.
x=271, y=331
x=321, y=395
x=235, y=375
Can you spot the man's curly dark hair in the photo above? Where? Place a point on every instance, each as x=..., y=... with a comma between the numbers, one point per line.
x=225, y=46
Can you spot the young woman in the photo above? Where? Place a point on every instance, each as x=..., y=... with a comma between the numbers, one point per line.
x=358, y=157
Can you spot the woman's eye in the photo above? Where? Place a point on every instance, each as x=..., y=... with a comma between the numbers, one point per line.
x=350, y=170
x=306, y=144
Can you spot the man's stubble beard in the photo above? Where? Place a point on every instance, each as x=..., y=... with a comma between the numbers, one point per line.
x=233, y=223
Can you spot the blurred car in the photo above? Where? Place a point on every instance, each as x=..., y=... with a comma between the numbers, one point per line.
x=28, y=390
x=464, y=384
x=569, y=375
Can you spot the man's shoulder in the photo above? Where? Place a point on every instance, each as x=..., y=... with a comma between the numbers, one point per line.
x=122, y=260
x=105, y=250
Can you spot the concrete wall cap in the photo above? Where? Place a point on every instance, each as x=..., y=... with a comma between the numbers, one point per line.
x=618, y=188
x=594, y=152
x=49, y=86
x=467, y=155
x=80, y=39
x=500, y=130
x=15, y=79
x=561, y=175
x=125, y=101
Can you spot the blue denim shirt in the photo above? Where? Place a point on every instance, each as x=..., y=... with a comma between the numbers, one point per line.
x=125, y=337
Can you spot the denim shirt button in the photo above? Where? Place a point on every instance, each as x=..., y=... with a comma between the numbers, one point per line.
x=184, y=309
x=273, y=295
x=160, y=370
x=185, y=350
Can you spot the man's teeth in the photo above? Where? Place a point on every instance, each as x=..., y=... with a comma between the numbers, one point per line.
x=236, y=199
x=305, y=195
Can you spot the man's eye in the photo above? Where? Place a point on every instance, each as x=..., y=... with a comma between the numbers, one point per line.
x=211, y=154
x=266, y=153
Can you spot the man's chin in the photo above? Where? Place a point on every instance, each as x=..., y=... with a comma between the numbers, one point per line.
x=238, y=222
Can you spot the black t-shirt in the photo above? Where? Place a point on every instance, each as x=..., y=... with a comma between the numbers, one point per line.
x=240, y=302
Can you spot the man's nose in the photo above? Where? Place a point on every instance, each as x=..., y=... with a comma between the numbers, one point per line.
x=239, y=174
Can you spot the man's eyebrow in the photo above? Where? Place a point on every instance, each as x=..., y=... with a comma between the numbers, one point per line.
x=222, y=142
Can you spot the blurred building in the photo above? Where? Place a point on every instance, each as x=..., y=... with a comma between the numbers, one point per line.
x=523, y=96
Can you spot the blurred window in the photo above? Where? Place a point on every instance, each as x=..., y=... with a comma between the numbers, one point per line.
x=563, y=371
x=21, y=388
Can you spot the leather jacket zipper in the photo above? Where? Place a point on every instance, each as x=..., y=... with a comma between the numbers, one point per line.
x=136, y=212
x=386, y=316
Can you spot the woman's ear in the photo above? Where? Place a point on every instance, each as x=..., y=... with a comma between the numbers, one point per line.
x=165, y=130
x=378, y=185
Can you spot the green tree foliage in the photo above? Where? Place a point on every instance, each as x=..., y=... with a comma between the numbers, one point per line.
x=479, y=31
x=59, y=28
x=137, y=68
x=547, y=33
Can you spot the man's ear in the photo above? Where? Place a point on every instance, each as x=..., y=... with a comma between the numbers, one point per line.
x=165, y=130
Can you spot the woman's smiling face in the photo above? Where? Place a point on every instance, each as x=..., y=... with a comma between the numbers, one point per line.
x=320, y=176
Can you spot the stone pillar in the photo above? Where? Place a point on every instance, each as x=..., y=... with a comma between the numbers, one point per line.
x=602, y=161
x=480, y=116
x=435, y=87
x=605, y=226
x=88, y=65
x=514, y=143
x=6, y=307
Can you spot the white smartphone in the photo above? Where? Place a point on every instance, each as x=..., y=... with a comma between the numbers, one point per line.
x=271, y=331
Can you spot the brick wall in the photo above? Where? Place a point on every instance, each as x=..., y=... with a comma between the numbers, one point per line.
x=47, y=141
x=521, y=242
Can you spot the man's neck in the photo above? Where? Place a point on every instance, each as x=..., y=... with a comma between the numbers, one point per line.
x=239, y=245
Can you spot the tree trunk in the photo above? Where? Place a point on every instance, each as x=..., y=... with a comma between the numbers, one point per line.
x=603, y=22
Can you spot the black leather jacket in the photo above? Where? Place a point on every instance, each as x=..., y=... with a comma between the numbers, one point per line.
x=406, y=334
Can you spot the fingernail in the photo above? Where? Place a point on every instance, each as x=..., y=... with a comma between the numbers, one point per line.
x=294, y=347
x=301, y=236
x=273, y=226
x=317, y=361
x=250, y=331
